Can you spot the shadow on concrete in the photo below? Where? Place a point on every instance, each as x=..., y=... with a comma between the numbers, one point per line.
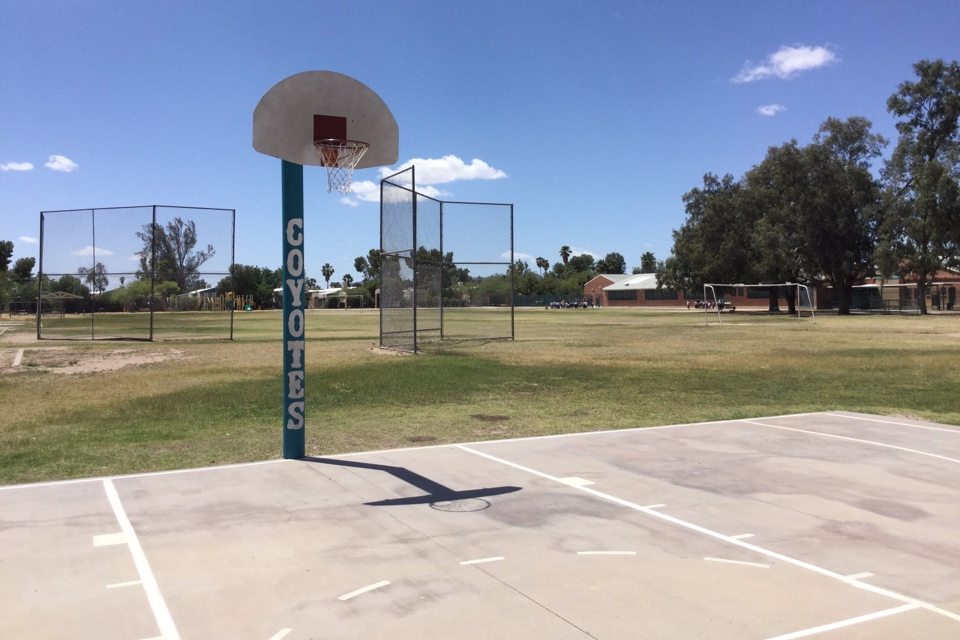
x=436, y=492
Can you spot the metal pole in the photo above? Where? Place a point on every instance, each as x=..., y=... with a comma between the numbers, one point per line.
x=153, y=267
x=233, y=256
x=513, y=332
x=294, y=414
x=416, y=275
x=93, y=272
x=39, y=285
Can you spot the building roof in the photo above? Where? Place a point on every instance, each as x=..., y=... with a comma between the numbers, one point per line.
x=632, y=282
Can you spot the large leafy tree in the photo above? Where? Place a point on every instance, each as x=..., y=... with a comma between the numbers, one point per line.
x=369, y=265
x=816, y=208
x=613, y=262
x=922, y=225
x=170, y=251
x=6, y=253
x=23, y=269
x=712, y=245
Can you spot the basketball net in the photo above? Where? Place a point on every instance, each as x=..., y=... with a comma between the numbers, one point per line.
x=340, y=157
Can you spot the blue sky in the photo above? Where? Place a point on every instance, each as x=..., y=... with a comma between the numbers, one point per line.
x=592, y=117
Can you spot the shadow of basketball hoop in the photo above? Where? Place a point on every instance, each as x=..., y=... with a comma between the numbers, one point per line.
x=439, y=497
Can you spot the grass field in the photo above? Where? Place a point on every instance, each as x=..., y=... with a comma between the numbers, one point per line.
x=79, y=408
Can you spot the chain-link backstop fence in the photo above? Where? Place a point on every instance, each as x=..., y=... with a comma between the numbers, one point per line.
x=135, y=273
x=441, y=263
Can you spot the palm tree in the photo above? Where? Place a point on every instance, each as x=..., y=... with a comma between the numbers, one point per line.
x=347, y=281
x=648, y=263
x=543, y=264
x=565, y=254
x=327, y=272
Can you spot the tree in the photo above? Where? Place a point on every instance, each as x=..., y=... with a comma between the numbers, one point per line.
x=169, y=253
x=327, y=270
x=581, y=263
x=6, y=253
x=23, y=269
x=712, y=245
x=347, y=280
x=543, y=264
x=613, y=263
x=648, y=263
x=96, y=277
x=922, y=221
x=69, y=284
x=369, y=266
x=565, y=254
x=816, y=209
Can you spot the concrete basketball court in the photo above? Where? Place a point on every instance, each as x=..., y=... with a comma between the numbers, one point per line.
x=828, y=526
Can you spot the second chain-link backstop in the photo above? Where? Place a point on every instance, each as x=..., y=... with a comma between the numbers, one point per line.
x=445, y=267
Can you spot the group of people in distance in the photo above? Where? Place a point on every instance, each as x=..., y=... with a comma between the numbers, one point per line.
x=564, y=304
x=707, y=304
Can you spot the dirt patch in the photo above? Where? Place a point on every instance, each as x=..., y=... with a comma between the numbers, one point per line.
x=483, y=417
x=389, y=352
x=65, y=360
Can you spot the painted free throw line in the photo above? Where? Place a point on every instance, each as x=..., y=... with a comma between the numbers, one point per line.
x=168, y=630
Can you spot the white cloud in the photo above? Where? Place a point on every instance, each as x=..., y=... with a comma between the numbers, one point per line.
x=16, y=166
x=770, y=109
x=28, y=240
x=520, y=256
x=447, y=169
x=61, y=163
x=786, y=62
x=88, y=251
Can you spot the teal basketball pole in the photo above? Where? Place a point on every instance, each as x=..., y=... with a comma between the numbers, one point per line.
x=294, y=413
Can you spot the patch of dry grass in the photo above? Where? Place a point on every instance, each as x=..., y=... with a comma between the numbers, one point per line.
x=165, y=405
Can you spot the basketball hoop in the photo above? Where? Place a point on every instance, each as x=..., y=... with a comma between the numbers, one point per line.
x=339, y=157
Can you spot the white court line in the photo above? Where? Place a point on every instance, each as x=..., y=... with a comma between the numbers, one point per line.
x=118, y=585
x=719, y=536
x=901, y=424
x=18, y=358
x=860, y=576
x=369, y=587
x=832, y=435
x=741, y=536
x=654, y=506
x=109, y=539
x=744, y=563
x=846, y=623
x=280, y=634
x=168, y=630
x=606, y=553
x=482, y=560
x=578, y=434
x=574, y=481
x=57, y=483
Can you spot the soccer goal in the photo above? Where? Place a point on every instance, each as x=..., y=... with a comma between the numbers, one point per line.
x=805, y=301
